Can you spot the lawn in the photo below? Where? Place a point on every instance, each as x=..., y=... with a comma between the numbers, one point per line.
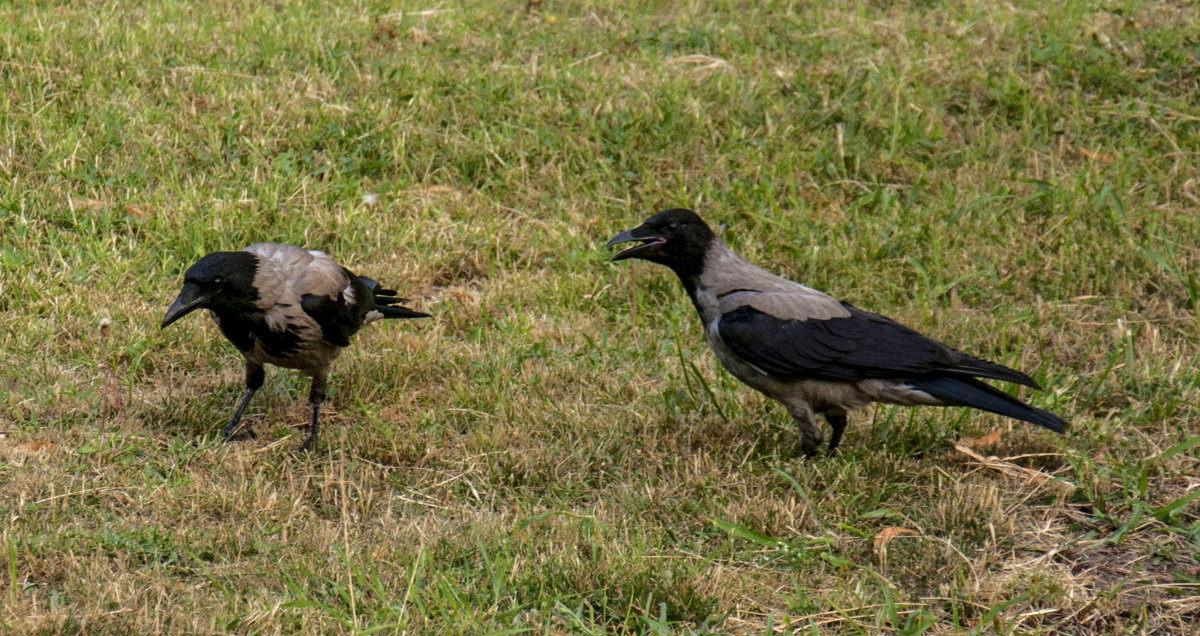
x=557, y=452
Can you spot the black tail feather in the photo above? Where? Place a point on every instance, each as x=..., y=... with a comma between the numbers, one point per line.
x=968, y=365
x=388, y=303
x=976, y=394
x=395, y=311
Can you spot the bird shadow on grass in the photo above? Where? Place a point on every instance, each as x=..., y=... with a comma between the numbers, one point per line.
x=202, y=416
x=762, y=431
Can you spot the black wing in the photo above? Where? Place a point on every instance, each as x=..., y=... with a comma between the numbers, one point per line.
x=860, y=346
x=339, y=318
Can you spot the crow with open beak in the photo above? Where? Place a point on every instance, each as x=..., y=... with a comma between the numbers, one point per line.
x=809, y=351
x=286, y=306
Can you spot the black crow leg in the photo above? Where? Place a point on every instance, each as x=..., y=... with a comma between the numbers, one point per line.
x=254, y=381
x=237, y=415
x=806, y=424
x=316, y=395
x=838, y=422
x=312, y=432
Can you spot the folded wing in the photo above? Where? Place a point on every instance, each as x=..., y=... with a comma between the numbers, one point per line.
x=858, y=346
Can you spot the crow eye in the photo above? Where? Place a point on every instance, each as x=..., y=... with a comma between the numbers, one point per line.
x=673, y=226
x=218, y=280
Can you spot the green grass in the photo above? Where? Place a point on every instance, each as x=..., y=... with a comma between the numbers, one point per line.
x=557, y=452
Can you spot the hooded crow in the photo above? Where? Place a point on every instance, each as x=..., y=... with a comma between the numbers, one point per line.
x=287, y=306
x=809, y=351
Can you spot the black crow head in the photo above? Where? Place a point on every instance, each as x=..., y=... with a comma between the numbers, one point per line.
x=219, y=280
x=676, y=238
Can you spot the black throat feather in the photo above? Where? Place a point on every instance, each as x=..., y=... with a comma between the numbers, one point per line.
x=688, y=261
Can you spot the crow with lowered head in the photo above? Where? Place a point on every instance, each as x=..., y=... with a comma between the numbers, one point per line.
x=809, y=351
x=286, y=306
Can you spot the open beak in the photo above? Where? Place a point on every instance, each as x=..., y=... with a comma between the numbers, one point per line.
x=189, y=300
x=648, y=243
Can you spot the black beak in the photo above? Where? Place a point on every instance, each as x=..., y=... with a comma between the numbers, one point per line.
x=649, y=241
x=190, y=299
